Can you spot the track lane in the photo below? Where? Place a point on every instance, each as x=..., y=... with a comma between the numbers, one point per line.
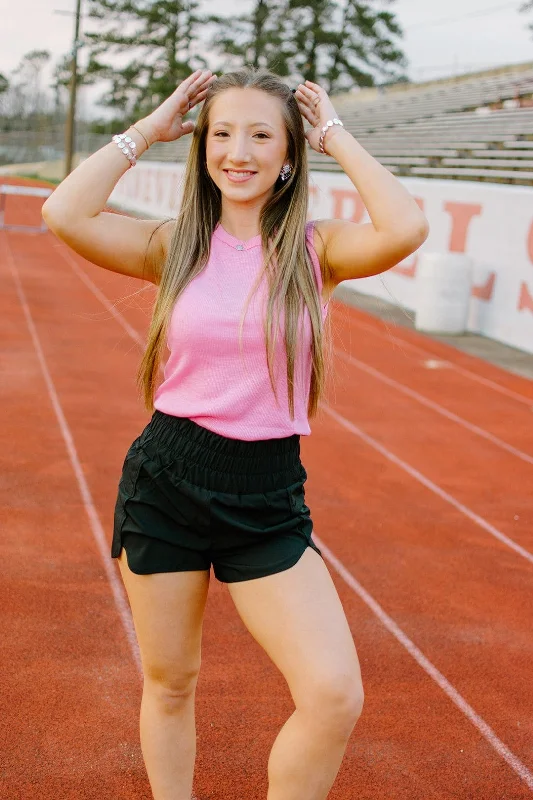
x=422, y=398
x=65, y=654
x=488, y=480
x=409, y=344
x=499, y=415
x=462, y=598
x=394, y=765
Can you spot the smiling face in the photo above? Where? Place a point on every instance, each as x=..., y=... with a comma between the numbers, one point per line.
x=246, y=134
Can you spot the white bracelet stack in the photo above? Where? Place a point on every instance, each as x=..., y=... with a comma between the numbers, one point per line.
x=329, y=124
x=127, y=145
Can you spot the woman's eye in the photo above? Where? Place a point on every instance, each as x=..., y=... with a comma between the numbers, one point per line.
x=224, y=133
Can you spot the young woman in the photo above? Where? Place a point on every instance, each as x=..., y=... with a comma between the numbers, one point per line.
x=216, y=478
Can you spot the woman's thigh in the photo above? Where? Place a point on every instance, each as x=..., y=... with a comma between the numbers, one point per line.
x=297, y=617
x=167, y=610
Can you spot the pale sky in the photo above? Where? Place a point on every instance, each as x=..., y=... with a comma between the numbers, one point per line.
x=440, y=39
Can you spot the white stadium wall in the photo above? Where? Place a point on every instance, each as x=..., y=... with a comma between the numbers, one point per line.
x=491, y=223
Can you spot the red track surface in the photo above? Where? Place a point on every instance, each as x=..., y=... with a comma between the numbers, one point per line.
x=420, y=469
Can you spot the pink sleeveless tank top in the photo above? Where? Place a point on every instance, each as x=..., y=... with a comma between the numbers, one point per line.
x=207, y=377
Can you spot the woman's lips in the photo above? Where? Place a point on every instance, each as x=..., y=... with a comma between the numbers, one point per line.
x=239, y=178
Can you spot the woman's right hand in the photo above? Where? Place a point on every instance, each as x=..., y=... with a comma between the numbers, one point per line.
x=165, y=124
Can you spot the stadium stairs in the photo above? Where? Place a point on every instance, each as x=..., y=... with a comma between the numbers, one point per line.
x=473, y=127
x=476, y=127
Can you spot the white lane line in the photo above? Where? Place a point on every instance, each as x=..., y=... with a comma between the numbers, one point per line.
x=513, y=761
x=64, y=253
x=430, y=669
x=414, y=473
x=94, y=520
x=434, y=406
x=462, y=370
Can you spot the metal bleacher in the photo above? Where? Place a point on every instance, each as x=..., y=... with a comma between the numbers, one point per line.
x=476, y=127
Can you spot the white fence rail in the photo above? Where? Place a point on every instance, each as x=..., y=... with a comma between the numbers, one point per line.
x=32, y=191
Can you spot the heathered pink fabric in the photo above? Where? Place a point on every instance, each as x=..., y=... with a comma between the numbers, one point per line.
x=206, y=378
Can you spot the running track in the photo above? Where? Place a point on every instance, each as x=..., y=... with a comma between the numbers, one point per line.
x=420, y=471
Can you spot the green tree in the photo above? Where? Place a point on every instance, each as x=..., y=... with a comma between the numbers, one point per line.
x=145, y=48
x=158, y=38
x=24, y=101
x=336, y=44
x=525, y=7
x=61, y=78
x=259, y=38
x=28, y=96
x=366, y=47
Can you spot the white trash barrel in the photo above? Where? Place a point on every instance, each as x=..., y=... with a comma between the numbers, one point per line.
x=443, y=287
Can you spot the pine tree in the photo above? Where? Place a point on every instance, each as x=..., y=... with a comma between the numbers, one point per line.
x=24, y=100
x=524, y=8
x=336, y=43
x=366, y=48
x=258, y=38
x=157, y=36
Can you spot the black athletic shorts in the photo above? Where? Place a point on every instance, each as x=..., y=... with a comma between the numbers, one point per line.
x=189, y=498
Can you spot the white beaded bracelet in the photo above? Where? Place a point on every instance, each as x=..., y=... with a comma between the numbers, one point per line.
x=329, y=124
x=128, y=147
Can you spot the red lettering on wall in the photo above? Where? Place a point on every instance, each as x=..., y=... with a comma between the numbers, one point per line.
x=340, y=196
x=525, y=301
x=462, y=215
x=485, y=290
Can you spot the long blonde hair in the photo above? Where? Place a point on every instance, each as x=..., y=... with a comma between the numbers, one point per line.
x=287, y=262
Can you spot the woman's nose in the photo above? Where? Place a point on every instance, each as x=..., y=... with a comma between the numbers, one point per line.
x=239, y=149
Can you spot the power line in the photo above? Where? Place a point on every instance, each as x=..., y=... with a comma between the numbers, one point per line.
x=484, y=13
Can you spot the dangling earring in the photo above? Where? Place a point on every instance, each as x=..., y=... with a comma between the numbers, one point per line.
x=286, y=172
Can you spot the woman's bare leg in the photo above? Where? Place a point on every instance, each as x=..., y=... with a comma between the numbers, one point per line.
x=297, y=617
x=167, y=611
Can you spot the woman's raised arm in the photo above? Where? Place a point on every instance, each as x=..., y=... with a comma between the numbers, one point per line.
x=75, y=210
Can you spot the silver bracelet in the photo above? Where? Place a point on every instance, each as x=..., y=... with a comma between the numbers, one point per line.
x=128, y=147
x=329, y=124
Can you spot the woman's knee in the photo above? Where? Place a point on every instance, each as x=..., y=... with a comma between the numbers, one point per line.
x=170, y=688
x=336, y=700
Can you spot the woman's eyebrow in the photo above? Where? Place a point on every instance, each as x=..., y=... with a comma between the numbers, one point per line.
x=252, y=125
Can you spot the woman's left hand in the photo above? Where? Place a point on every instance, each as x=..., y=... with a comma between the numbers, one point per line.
x=316, y=107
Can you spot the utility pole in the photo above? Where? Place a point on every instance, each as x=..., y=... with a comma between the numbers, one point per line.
x=70, y=125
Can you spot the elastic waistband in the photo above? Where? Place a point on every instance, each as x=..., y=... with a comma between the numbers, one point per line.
x=206, y=454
